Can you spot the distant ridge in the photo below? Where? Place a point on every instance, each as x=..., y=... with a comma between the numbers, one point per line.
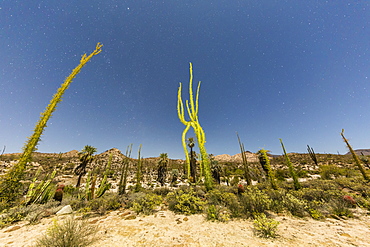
x=251, y=157
x=361, y=152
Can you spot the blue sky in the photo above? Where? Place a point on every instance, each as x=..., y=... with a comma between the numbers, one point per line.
x=296, y=70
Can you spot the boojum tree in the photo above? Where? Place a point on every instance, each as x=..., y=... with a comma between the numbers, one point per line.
x=192, y=109
x=10, y=182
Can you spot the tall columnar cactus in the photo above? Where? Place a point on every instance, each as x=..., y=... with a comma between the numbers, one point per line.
x=245, y=162
x=192, y=109
x=124, y=171
x=139, y=173
x=265, y=163
x=104, y=184
x=10, y=182
x=297, y=185
x=355, y=157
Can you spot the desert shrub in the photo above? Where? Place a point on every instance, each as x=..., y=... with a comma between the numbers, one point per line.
x=234, y=181
x=144, y=203
x=14, y=214
x=69, y=233
x=225, y=199
x=340, y=207
x=316, y=209
x=38, y=211
x=277, y=199
x=281, y=174
x=32, y=213
x=162, y=191
x=70, y=190
x=218, y=213
x=334, y=171
x=295, y=206
x=265, y=227
x=254, y=201
x=105, y=203
x=185, y=202
x=322, y=184
x=4, y=205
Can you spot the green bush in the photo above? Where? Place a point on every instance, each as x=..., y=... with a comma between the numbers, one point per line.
x=295, y=206
x=225, y=199
x=185, y=202
x=254, y=201
x=144, y=203
x=69, y=233
x=105, y=203
x=265, y=227
x=277, y=199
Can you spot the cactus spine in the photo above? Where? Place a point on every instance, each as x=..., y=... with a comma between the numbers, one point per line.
x=192, y=109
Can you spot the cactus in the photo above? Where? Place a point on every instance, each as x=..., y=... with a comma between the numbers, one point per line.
x=138, y=171
x=192, y=110
x=245, y=164
x=297, y=185
x=124, y=170
x=312, y=155
x=43, y=192
x=88, y=194
x=355, y=157
x=265, y=163
x=104, y=185
x=10, y=182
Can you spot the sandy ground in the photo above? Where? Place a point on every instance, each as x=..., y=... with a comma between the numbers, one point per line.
x=165, y=228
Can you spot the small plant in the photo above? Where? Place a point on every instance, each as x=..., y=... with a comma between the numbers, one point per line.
x=265, y=227
x=218, y=213
x=340, y=207
x=69, y=233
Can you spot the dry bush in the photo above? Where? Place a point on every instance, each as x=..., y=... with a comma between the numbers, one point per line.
x=69, y=233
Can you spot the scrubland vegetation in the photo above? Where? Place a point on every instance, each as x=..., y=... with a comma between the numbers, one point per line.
x=300, y=185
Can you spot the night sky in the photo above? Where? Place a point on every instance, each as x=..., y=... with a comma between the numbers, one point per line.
x=296, y=70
